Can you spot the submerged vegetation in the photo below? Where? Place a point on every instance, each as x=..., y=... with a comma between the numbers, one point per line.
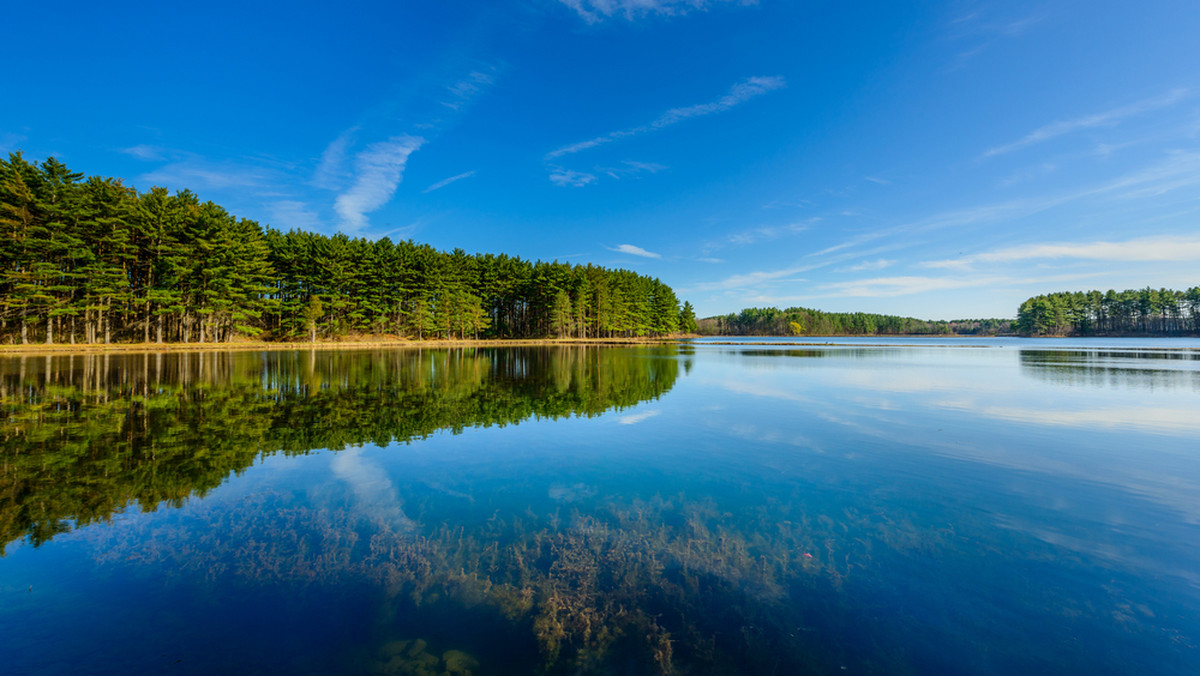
x=798, y=321
x=1133, y=312
x=96, y=261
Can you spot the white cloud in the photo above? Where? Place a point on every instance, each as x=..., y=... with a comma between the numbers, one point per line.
x=199, y=174
x=632, y=169
x=593, y=11
x=884, y=287
x=1107, y=118
x=144, y=152
x=569, y=177
x=877, y=264
x=887, y=287
x=1145, y=249
x=1158, y=420
x=634, y=251
x=710, y=260
x=331, y=173
x=377, y=171
x=635, y=418
x=765, y=234
x=445, y=182
x=466, y=89
x=751, y=279
x=739, y=93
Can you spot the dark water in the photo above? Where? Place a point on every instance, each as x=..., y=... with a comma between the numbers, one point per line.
x=1028, y=507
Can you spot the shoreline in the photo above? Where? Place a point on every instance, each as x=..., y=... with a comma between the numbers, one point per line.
x=36, y=349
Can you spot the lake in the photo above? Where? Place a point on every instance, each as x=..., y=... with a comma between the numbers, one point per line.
x=867, y=506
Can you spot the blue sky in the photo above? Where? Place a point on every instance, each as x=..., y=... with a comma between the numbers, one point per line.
x=933, y=159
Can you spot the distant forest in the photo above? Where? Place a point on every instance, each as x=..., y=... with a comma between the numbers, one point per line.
x=1133, y=312
x=93, y=260
x=798, y=321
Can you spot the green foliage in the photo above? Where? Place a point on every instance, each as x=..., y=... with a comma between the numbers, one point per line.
x=1133, y=312
x=86, y=436
x=797, y=321
x=95, y=261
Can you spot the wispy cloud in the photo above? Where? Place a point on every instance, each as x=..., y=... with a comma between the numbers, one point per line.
x=1104, y=119
x=594, y=11
x=849, y=244
x=631, y=169
x=987, y=33
x=883, y=287
x=200, y=174
x=148, y=153
x=634, y=251
x=377, y=172
x=570, y=178
x=887, y=287
x=877, y=264
x=710, y=260
x=467, y=89
x=738, y=94
x=635, y=418
x=1145, y=249
x=752, y=279
x=763, y=234
x=876, y=179
x=445, y=182
x=331, y=172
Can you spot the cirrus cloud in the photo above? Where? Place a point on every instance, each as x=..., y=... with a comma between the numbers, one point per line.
x=634, y=251
x=378, y=170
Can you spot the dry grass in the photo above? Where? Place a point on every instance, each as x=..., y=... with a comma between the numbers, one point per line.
x=354, y=342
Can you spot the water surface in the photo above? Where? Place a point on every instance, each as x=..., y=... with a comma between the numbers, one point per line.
x=707, y=508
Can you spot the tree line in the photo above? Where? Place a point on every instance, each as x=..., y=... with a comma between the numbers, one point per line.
x=1133, y=312
x=798, y=321
x=92, y=260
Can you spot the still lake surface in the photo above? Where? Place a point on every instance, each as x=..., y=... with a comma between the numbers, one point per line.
x=989, y=506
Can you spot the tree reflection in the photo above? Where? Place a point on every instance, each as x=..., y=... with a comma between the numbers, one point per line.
x=86, y=436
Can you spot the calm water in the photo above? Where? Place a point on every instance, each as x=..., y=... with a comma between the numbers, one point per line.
x=982, y=507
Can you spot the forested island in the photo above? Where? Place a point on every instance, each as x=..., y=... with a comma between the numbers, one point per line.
x=95, y=261
x=798, y=321
x=1133, y=312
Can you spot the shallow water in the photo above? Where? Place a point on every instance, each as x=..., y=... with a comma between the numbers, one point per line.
x=706, y=508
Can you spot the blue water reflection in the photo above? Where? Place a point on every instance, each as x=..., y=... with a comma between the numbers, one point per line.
x=851, y=508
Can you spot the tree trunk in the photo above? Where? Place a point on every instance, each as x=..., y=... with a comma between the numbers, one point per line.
x=160, y=329
x=49, y=330
x=24, y=330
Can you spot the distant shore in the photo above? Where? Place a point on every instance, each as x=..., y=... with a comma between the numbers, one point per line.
x=348, y=344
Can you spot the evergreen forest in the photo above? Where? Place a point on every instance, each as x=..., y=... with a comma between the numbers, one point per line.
x=1133, y=312
x=92, y=260
x=798, y=321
